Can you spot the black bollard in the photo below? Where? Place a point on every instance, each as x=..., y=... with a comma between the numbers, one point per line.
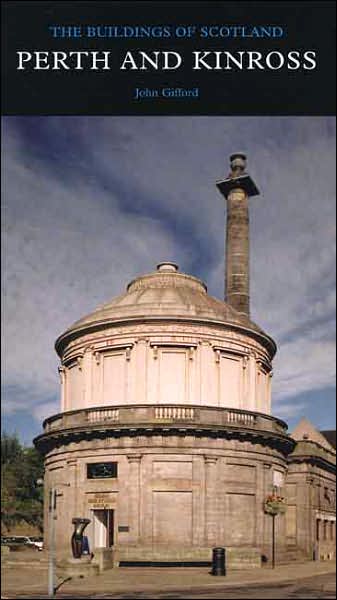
x=219, y=561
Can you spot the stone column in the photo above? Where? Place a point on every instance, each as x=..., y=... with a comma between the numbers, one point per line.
x=134, y=497
x=237, y=188
x=211, y=523
x=237, y=251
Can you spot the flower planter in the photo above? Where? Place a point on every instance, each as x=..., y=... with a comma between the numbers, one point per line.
x=275, y=505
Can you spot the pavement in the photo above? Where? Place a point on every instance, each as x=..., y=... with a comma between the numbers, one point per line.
x=27, y=577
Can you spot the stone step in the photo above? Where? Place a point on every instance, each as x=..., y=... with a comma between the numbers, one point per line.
x=290, y=555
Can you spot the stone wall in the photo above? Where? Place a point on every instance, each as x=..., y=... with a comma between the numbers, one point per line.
x=124, y=366
x=311, y=497
x=175, y=496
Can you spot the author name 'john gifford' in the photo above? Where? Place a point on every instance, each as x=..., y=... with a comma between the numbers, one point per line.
x=145, y=93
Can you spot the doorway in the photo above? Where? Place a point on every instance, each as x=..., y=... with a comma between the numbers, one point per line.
x=103, y=525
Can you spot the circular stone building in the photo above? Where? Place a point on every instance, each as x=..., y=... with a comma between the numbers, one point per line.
x=165, y=439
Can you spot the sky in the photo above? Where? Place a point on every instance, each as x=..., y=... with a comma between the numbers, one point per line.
x=91, y=202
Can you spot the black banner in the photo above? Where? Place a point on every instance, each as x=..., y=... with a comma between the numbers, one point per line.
x=168, y=58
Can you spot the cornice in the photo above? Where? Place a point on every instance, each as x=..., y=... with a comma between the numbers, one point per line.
x=75, y=332
x=313, y=460
x=48, y=441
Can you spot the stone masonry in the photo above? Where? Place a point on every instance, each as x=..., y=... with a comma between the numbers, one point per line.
x=165, y=439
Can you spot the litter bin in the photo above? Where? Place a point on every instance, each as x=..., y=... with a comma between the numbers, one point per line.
x=219, y=561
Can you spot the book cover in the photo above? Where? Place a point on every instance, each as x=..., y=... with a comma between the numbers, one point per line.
x=123, y=128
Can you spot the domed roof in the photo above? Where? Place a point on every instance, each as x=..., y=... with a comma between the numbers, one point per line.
x=163, y=294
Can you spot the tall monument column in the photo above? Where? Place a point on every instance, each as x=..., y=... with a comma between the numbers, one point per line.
x=236, y=189
x=237, y=251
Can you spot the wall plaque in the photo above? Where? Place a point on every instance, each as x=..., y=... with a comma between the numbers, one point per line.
x=102, y=470
x=101, y=500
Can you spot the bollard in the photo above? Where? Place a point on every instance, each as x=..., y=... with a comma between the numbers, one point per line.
x=219, y=561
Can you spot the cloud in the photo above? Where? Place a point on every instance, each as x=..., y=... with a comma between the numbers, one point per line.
x=67, y=247
x=45, y=409
x=91, y=202
x=287, y=410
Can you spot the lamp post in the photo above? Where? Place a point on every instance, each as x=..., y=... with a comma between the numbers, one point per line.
x=274, y=505
x=273, y=541
x=51, y=540
x=51, y=544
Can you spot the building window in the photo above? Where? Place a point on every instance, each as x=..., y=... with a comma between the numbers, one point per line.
x=332, y=530
x=318, y=527
x=325, y=530
x=105, y=470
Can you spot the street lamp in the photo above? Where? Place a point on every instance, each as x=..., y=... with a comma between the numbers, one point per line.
x=51, y=541
x=274, y=505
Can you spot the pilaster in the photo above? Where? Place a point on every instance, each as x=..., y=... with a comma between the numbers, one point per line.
x=61, y=370
x=141, y=371
x=134, y=497
x=211, y=520
x=252, y=377
x=87, y=376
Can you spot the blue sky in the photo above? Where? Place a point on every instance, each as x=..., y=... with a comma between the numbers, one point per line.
x=91, y=202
